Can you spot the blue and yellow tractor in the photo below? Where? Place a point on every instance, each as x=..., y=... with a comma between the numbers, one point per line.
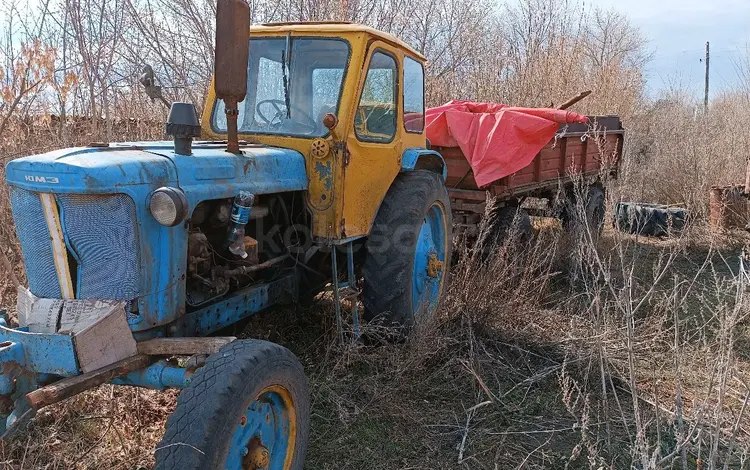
x=309, y=171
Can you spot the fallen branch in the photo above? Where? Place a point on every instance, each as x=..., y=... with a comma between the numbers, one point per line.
x=469, y=415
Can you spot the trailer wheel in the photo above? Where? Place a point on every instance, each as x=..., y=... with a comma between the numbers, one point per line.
x=594, y=211
x=498, y=224
x=408, y=251
x=248, y=407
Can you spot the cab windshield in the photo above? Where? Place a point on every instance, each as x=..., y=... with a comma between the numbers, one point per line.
x=291, y=84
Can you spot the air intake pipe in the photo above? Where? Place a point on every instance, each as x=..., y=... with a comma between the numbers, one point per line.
x=183, y=125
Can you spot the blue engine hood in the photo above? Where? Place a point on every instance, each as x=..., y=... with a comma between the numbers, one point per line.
x=210, y=172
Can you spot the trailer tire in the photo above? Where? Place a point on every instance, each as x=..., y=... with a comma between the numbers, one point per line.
x=248, y=388
x=408, y=251
x=594, y=209
x=500, y=223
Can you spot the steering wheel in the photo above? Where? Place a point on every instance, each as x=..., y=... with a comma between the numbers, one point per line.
x=280, y=113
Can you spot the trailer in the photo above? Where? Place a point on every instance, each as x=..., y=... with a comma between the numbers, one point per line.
x=589, y=153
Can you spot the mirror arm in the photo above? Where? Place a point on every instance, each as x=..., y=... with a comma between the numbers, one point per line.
x=233, y=145
x=230, y=61
x=154, y=93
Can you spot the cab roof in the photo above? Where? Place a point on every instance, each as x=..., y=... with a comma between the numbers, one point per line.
x=334, y=27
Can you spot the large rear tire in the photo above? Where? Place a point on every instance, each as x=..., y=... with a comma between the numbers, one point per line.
x=408, y=251
x=248, y=404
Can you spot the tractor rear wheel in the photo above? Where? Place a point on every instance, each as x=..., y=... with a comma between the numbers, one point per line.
x=408, y=251
x=248, y=407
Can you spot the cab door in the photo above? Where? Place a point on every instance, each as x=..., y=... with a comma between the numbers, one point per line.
x=374, y=144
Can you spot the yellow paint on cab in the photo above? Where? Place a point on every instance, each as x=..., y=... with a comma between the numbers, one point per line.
x=361, y=172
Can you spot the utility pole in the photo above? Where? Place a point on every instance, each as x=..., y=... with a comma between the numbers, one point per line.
x=705, y=94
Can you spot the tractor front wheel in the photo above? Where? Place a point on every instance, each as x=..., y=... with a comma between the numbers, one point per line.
x=248, y=407
x=408, y=251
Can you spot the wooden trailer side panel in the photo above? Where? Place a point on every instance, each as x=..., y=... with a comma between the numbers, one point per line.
x=573, y=152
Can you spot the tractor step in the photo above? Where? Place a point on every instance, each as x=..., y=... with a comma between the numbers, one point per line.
x=347, y=293
x=345, y=290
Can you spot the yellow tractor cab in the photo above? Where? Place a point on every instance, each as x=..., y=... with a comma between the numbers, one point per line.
x=367, y=79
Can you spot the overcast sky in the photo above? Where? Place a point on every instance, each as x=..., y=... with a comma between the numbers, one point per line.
x=677, y=31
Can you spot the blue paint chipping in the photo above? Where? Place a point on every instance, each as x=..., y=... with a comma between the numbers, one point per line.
x=39, y=352
x=325, y=174
x=106, y=192
x=242, y=304
x=136, y=170
x=267, y=421
x=103, y=196
x=157, y=376
x=28, y=360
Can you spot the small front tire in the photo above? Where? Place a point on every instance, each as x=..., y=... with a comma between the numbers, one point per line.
x=248, y=404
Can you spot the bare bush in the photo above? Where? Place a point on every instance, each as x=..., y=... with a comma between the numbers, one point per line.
x=677, y=151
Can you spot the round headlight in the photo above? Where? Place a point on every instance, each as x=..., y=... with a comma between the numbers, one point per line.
x=168, y=206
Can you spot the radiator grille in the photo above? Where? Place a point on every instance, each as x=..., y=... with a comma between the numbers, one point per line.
x=36, y=246
x=102, y=234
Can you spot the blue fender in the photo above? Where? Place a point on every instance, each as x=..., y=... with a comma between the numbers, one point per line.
x=417, y=158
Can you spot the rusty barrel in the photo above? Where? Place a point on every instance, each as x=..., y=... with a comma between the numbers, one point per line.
x=727, y=207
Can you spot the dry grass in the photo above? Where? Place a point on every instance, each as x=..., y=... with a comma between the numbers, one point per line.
x=113, y=427
x=567, y=352
x=564, y=353
x=677, y=151
x=528, y=367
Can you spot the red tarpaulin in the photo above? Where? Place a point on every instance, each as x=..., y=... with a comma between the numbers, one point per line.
x=498, y=140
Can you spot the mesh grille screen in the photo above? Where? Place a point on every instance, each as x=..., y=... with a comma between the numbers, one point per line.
x=101, y=231
x=36, y=246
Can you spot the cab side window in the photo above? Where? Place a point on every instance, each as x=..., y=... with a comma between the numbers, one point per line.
x=375, y=120
x=413, y=96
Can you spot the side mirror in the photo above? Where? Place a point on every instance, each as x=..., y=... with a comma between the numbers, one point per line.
x=147, y=77
x=230, y=61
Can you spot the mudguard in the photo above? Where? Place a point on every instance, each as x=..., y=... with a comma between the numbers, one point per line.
x=423, y=159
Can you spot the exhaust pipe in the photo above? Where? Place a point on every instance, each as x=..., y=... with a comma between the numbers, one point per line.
x=230, y=61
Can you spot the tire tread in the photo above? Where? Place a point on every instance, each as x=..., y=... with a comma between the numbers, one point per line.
x=191, y=430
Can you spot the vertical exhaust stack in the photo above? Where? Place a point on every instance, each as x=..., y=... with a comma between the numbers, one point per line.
x=230, y=61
